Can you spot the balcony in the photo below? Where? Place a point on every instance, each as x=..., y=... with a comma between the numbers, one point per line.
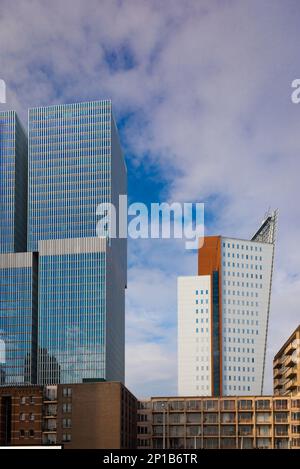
x=291, y=372
x=291, y=361
x=278, y=384
x=291, y=348
x=246, y=431
x=50, y=411
x=277, y=373
x=277, y=363
x=49, y=430
x=292, y=384
x=50, y=394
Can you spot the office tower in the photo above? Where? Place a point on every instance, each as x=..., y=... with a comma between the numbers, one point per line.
x=18, y=270
x=286, y=367
x=75, y=163
x=223, y=315
x=13, y=183
x=18, y=318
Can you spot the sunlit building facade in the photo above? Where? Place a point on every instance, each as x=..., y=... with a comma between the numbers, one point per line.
x=223, y=315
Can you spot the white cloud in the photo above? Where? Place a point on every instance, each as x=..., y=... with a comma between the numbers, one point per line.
x=209, y=98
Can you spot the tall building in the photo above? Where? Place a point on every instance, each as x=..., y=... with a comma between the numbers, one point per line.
x=18, y=270
x=223, y=315
x=75, y=164
x=13, y=184
x=286, y=367
x=191, y=422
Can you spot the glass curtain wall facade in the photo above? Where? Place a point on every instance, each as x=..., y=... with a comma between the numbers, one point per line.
x=18, y=270
x=76, y=163
x=18, y=318
x=72, y=299
x=69, y=169
x=13, y=184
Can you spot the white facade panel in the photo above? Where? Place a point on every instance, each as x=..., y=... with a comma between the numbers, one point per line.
x=194, y=335
x=246, y=283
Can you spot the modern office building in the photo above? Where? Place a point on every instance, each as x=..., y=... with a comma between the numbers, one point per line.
x=286, y=367
x=13, y=184
x=18, y=318
x=18, y=270
x=75, y=164
x=219, y=423
x=223, y=315
x=89, y=415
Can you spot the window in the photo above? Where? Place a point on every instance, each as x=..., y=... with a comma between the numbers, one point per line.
x=296, y=416
x=67, y=392
x=31, y=417
x=22, y=433
x=228, y=405
x=67, y=407
x=66, y=423
x=31, y=399
x=22, y=416
x=22, y=400
x=263, y=404
x=31, y=433
x=66, y=437
x=281, y=404
x=210, y=405
x=296, y=404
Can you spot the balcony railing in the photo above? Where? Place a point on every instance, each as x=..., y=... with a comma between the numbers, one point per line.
x=277, y=363
x=291, y=361
x=291, y=372
x=277, y=373
x=291, y=348
x=292, y=384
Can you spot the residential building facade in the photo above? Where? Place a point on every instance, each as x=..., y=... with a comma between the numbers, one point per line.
x=219, y=423
x=286, y=367
x=77, y=416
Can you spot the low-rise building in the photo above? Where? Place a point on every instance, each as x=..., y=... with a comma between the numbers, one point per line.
x=88, y=415
x=219, y=423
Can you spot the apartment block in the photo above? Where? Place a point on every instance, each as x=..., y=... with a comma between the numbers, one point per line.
x=219, y=423
x=77, y=416
x=286, y=367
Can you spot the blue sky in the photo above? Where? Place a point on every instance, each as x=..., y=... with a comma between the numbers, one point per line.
x=201, y=94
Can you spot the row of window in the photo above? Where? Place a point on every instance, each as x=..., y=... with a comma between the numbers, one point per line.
x=26, y=434
x=242, y=247
x=247, y=257
x=243, y=275
x=242, y=265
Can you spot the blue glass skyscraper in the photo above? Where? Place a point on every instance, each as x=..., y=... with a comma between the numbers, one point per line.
x=13, y=184
x=18, y=318
x=18, y=270
x=75, y=163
